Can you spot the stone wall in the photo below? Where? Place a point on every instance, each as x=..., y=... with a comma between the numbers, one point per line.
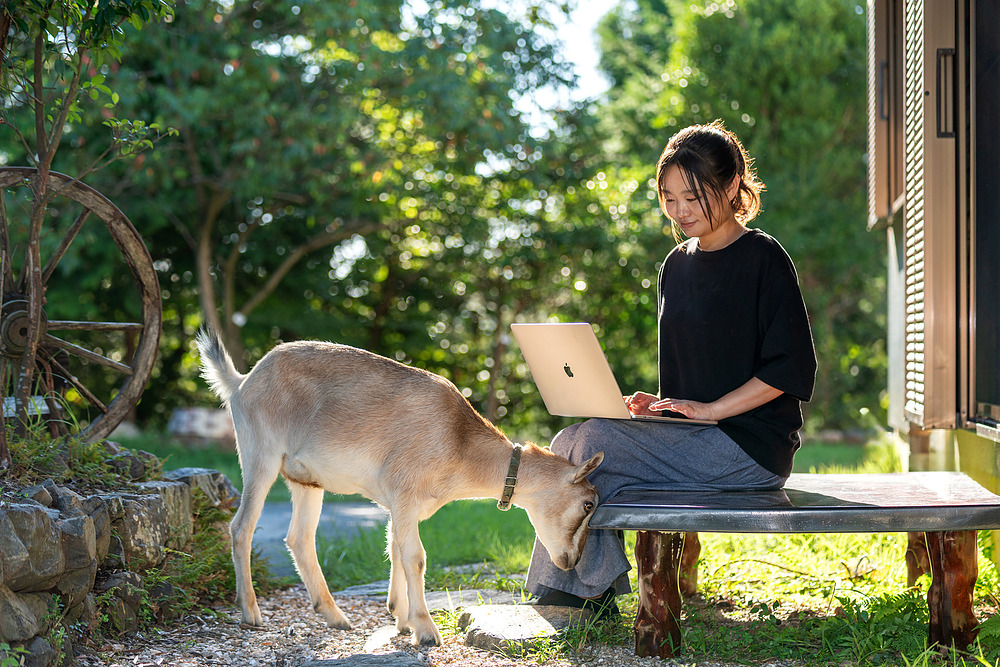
x=65, y=558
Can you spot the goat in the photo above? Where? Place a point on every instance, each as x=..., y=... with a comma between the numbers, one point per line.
x=334, y=417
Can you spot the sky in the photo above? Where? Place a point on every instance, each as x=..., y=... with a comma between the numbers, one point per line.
x=580, y=43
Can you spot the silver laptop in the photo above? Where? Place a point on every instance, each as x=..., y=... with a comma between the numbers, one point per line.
x=572, y=374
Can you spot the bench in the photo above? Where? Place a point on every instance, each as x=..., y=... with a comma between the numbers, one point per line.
x=940, y=510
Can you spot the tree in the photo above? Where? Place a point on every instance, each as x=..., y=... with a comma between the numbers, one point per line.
x=51, y=51
x=307, y=125
x=788, y=77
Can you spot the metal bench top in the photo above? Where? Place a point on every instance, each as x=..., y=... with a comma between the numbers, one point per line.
x=813, y=503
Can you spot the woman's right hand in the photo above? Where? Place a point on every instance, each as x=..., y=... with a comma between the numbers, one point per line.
x=639, y=402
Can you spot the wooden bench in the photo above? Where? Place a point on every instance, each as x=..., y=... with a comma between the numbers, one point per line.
x=942, y=510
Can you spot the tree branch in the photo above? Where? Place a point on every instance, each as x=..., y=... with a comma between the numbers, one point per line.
x=332, y=234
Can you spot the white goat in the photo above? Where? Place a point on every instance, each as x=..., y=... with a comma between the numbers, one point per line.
x=333, y=417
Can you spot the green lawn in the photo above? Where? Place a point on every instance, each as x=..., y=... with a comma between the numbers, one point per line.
x=821, y=599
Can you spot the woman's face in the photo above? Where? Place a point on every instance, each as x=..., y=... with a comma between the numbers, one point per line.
x=697, y=214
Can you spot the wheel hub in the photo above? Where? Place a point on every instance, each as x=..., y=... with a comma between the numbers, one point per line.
x=14, y=327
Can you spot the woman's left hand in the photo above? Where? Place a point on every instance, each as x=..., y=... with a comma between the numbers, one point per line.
x=690, y=409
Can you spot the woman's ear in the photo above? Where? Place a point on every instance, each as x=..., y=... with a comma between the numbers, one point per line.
x=733, y=188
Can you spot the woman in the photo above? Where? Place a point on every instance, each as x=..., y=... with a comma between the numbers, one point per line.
x=734, y=346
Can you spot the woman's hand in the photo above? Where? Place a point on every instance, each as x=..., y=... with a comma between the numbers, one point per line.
x=638, y=403
x=753, y=394
x=690, y=409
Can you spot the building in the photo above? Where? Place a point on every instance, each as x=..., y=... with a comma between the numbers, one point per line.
x=934, y=190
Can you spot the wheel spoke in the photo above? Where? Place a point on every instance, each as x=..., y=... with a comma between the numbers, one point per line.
x=75, y=325
x=87, y=354
x=69, y=377
x=6, y=272
x=74, y=229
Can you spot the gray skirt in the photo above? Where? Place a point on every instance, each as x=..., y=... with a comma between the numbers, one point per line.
x=648, y=456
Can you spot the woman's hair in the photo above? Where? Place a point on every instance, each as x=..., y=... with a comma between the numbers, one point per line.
x=709, y=156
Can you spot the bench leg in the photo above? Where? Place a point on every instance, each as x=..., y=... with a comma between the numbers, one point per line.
x=917, y=560
x=953, y=556
x=689, y=564
x=657, y=623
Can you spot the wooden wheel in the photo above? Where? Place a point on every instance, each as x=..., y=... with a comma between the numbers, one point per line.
x=97, y=337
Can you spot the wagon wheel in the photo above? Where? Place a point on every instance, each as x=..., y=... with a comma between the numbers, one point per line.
x=98, y=336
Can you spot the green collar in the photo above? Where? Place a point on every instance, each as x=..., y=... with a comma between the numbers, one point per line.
x=511, y=480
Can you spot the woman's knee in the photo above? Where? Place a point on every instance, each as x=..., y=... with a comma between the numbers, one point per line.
x=578, y=442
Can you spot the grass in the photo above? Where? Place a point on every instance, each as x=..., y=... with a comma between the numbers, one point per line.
x=827, y=599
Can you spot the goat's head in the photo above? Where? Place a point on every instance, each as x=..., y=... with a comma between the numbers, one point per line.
x=561, y=508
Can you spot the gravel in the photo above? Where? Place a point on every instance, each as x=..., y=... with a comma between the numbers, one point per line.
x=295, y=635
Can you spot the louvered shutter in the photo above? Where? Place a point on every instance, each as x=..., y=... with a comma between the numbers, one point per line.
x=931, y=354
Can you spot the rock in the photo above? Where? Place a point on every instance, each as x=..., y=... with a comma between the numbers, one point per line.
x=74, y=585
x=115, y=504
x=398, y=659
x=128, y=465
x=21, y=615
x=97, y=509
x=206, y=480
x=40, y=493
x=78, y=541
x=122, y=606
x=143, y=531
x=40, y=653
x=83, y=615
x=496, y=628
x=15, y=554
x=177, y=505
x=67, y=501
x=39, y=536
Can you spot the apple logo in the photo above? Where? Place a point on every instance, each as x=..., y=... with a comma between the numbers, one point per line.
x=568, y=370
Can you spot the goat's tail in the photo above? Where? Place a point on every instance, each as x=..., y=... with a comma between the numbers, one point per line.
x=216, y=365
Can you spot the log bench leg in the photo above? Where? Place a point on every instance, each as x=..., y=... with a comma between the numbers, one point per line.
x=659, y=561
x=954, y=568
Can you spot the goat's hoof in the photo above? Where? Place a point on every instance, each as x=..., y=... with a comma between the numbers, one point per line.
x=339, y=625
x=428, y=639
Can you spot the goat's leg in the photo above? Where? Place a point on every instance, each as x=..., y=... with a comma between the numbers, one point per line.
x=307, y=504
x=396, y=601
x=258, y=476
x=413, y=560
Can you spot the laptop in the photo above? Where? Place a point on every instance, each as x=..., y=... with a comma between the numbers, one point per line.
x=572, y=374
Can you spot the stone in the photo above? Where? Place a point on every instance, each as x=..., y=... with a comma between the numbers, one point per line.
x=496, y=628
x=204, y=479
x=67, y=501
x=143, y=530
x=177, y=506
x=97, y=509
x=128, y=465
x=39, y=493
x=74, y=585
x=34, y=527
x=397, y=659
x=40, y=653
x=78, y=541
x=122, y=606
x=115, y=505
x=21, y=615
x=454, y=600
x=83, y=615
x=15, y=554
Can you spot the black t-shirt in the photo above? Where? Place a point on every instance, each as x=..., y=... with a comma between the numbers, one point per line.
x=727, y=316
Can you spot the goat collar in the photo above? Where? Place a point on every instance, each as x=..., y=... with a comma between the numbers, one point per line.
x=511, y=480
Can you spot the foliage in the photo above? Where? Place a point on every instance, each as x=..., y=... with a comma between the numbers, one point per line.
x=203, y=575
x=55, y=56
x=788, y=77
x=38, y=455
x=341, y=202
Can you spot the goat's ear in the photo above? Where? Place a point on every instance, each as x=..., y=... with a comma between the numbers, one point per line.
x=587, y=467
